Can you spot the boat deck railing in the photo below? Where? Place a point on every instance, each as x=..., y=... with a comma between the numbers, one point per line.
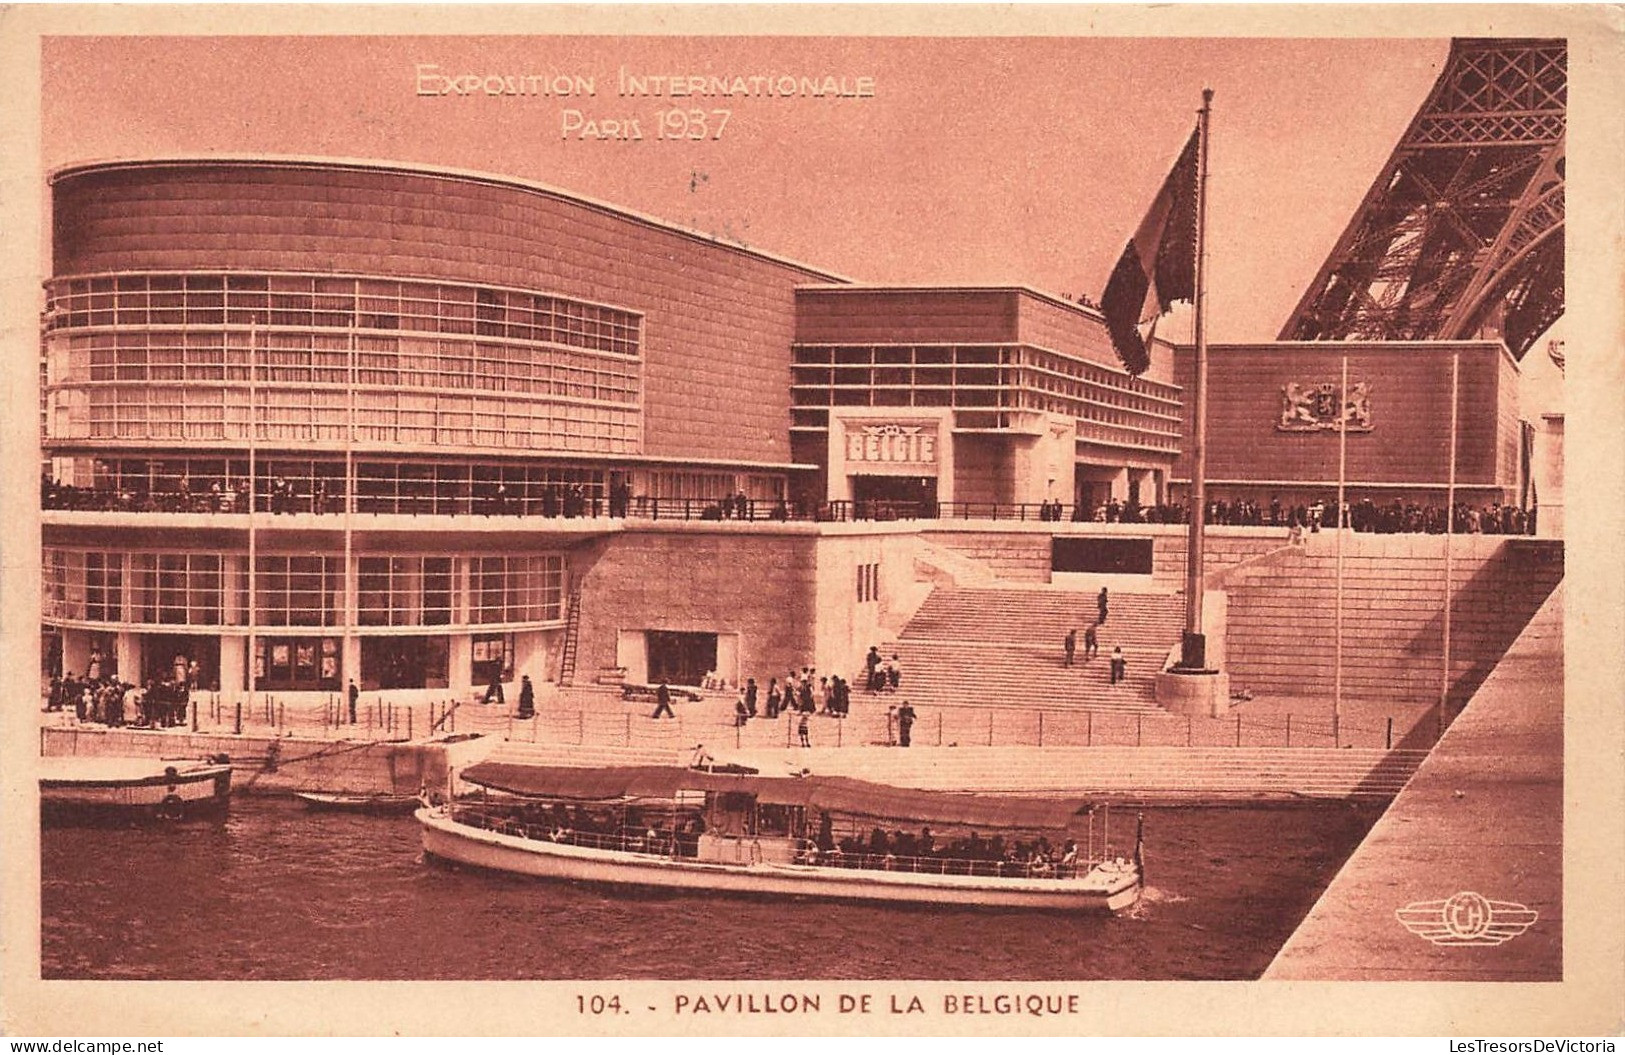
x=656, y=843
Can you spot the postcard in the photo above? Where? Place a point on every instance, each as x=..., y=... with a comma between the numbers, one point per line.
x=812, y=521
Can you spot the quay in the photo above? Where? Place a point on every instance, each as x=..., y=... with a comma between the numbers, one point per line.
x=1483, y=814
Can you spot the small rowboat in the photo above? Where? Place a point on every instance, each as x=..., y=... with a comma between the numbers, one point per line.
x=350, y=802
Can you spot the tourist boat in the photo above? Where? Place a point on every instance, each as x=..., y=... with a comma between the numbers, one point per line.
x=80, y=787
x=357, y=802
x=822, y=837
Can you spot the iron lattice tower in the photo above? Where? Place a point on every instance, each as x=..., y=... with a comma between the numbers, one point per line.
x=1461, y=236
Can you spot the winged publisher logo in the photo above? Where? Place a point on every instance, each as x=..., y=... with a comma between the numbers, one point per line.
x=1467, y=918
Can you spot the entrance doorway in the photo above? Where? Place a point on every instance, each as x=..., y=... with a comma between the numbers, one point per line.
x=680, y=657
x=492, y=658
x=407, y=662
x=163, y=656
x=298, y=663
x=894, y=497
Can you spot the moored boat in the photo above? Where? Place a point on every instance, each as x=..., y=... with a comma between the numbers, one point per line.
x=86, y=788
x=822, y=837
x=358, y=802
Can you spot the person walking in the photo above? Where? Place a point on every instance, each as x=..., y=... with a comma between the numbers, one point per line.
x=1091, y=642
x=802, y=730
x=527, y=698
x=1119, y=665
x=750, y=696
x=354, y=694
x=663, y=702
x=494, y=689
x=1100, y=602
x=1070, y=646
x=905, y=723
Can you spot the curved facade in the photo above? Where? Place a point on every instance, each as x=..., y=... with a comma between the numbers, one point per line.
x=454, y=285
x=282, y=335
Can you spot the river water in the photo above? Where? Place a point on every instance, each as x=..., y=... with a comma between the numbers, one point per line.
x=275, y=892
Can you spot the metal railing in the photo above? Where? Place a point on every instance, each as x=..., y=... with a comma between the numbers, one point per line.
x=618, y=725
x=568, y=505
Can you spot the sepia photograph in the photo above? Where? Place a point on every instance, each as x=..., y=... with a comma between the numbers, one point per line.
x=810, y=521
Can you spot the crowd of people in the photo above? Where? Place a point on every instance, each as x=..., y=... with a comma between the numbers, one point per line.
x=102, y=697
x=106, y=700
x=1367, y=515
x=973, y=855
x=630, y=829
x=578, y=500
x=802, y=692
x=56, y=495
x=805, y=692
x=880, y=674
x=678, y=834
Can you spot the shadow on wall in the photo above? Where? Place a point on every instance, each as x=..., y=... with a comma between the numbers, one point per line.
x=1490, y=610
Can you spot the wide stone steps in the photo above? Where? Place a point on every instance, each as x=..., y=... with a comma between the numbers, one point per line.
x=1034, y=616
x=1002, y=647
x=959, y=674
x=1149, y=773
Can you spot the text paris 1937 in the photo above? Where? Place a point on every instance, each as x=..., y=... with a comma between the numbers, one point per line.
x=676, y=124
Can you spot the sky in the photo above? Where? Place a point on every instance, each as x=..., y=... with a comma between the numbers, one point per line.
x=958, y=161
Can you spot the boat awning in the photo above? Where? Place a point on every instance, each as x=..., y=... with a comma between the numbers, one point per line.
x=596, y=784
x=842, y=795
x=880, y=802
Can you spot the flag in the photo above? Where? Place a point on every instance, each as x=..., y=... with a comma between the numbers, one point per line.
x=1158, y=262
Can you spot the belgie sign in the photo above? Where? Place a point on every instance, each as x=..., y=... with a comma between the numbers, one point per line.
x=892, y=443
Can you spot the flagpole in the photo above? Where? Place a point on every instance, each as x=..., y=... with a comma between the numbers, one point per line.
x=1449, y=536
x=1342, y=485
x=350, y=574
x=1193, y=648
x=253, y=501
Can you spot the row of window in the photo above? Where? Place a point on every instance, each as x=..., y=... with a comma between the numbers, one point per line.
x=1109, y=406
x=212, y=589
x=820, y=368
x=448, y=488
x=802, y=418
x=293, y=358
x=338, y=302
x=892, y=356
x=713, y=487
x=308, y=415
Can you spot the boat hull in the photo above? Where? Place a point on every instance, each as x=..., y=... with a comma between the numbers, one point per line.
x=481, y=848
x=373, y=804
x=115, y=790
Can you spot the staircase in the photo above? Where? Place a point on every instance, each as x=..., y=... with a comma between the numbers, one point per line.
x=1147, y=774
x=572, y=640
x=1002, y=647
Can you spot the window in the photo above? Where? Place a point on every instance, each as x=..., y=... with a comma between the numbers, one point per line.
x=516, y=589
x=403, y=591
x=172, y=588
x=299, y=591
x=868, y=582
